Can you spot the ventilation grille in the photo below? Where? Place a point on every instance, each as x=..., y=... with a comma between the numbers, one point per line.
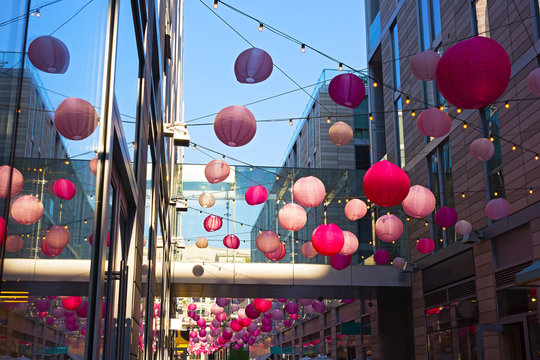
x=435, y=298
x=508, y=276
x=464, y=290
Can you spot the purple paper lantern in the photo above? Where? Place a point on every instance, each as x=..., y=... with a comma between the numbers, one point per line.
x=291, y=307
x=277, y=314
x=425, y=246
x=381, y=257
x=256, y=195
x=231, y=241
x=43, y=305
x=251, y=312
x=64, y=189
x=253, y=66
x=222, y=302
x=347, y=90
x=82, y=312
x=482, y=149
x=399, y=263
x=49, y=54
x=340, y=262
x=75, y=119
x=446, y=217
x=235, y=125
x=49, y=321
x=305, y=302
x=319, y=306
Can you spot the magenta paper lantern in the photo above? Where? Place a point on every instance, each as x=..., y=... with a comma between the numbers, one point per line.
x=350, y=244
x=294, y=316
x=278, y=254
x=319, y=306
x=292, y=217
x=49, y=321
x=14, y=243
x=381, y=257
x=75, y=119
x=253, y=66
x=64, y=189
x=92, y=165
x=398, y=263
x=287, y=323
x=473, y=73
x=340, y=133
x=216, y=323
x=262, y=305
x=26, y=210
x=446, y=217
x=355, y=209
x=434, y=122
x=70, y=319
x=308, y=250
x=49, y=54
x=17, y=182
x=216, y=171
x=419, y=203
x=251, y=312
x=235, y=325
x=72, y=327
x=207, y=200
x=57, y=237
x=266, y=321
x=212, y=223
x=389, y=228
x=497, y=209
x=291, y=307
x=91, y=239
x=72, y=303
x=201, y=323
x=277, y=314
x=309, y=191
x=231, y=241
x=267, y=242
x=82, y=312
x=256, y=195
x=533, y=81
x=340, y=262
x=222, y=302
x=42, y=314
x=347, y=301
x=245, y=322
x=281, y=300
x=202, y=333
x=43, y=305
x=235, y=125
x=328, y=239
x=222, y=316
x=385, y=184
x=424, y=65
x=196, y=318
x=482, y=149
x=201, y=243
x=425, y=246
x=463, y=227
x=192, y=307
x=347, y=90
x=49, y=250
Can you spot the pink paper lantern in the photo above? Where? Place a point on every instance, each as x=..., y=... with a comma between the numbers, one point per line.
x=287, y=323
x=446, y=217
x=398, y=263
x=42, y=314
x=262, y=305
x=17, y=182
x=319, y=306
x=58, y=312
x=201, y=323
x=533, y=81
x=385, y=184
x=231, y=241
x=482, y=149
x=291, y=307
x=216, y=323
x=340, y=262
x=42, y=305
x=235, y=125
x=473, y=73
x=207, y=200
x=309, y=191
x=49, y=250
x=14, y=243
x=222, y=316
x=294, y=316
x=424, y=65
x=202, y=333
x=244, y=322
x=216, y=171
x=308, y=250
x=463, y=227
x=347, y=90
x=75, y=119
x=497, y=209
x=328, y=239
x=267, y=242
x=256, y=195
x=92, y=165
x=82, y=312
x=216, y=309
x=425, y=246
x=49, y=321
x=49, y=54
x=57, y=237
x=355, y=209
x=253, y=66
x=278, y=254
x=389, y=228
x=347, y=301
x=381, y=257
x=64, y=189
x=350, y=244
x=91, y=239
x=72, y=303
x=277, y=314
x=212, y=223
x=419, y=203
x=192, y=307
x=251, y=312
x=292, y=217
x=340, y=133
x=434, y=122
x=26, y=210
x=201, y=243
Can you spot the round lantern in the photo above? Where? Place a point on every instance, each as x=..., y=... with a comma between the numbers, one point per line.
x=463, y=227
x=294, y=316
x=17, y=182
x=347, y=90
x=234, y=307
x=212, y=223
x=72, y=327
x=244, y=322
x=235, y=125
x=57, y=237
x=253, y=66
x=192, y=307
x=446, y=217
x=309, y=191
x=305, y=302
x=424, y=65
x=268, y=242
x=278, y=254
x=82, y=312
x=64, y=189
x=216, y=171
x=385, y=184
x=91, y=239
x=389, y=228
x=287, y=323
x=328, y=239
x=242, y=314
x=347, y=301
x=291, y=307
x=350, y=244
x=308, y=250
x=49, y=54
x=482, y=149
x=355, y=209
x=207, y=200
x=92, y=165
x=49, y=250
x=340, y=262
x=319, y=306
x=497, y=209
x=419, y=203
x=42, y=305
x=58, y=312
x=434, y=122
x=201, y=323
x=251, y=312
x=340, y=133
x=222, y=316
x=75, y=119
x=216, y=309
x=231, y=241
x=425, y=246
x=201, y=243
x=26, y=210
x=381, y=257
x=533, y=81
x=14, y=243
x=292, y=217
x=256, y=195
x=262, y=305
x=49, y=321
x=277, y=314
x=473, y=73
x=72, y=303
x=399, y=263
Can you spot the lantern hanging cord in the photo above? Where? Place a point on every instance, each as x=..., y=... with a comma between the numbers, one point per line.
x=71, y=17
x=20, y=17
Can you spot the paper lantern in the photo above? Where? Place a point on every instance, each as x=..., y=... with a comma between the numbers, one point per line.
x=231, y=241
x=253, y=66
x=277, y=314
x=212, y=223
x=262, y=305
x=305, y=302
x=350, y=244
x=347, y=301
x=347, y=90
x=235, y=125
x=424, y=65
x=308, y=250
x=207, y=200
x=216, y=171
x=17, y=182
x=201, y=242
x=319, y=306
x=309, y=191
x=242, y=314
x=72, y=303
x=389, y=228
x=92, y=165
x=72, y=327
x=328, y=239
x=355, y=209
x=267, y=242
x=43, y=305
x=434, y=122
x=292, y=217
x=26, y=210
x=216, y=309
x=202, y=333
x=64, y=189
x=82, y=312
x=482, y=149
x=244, y=322
x=473, y=73
x=399, y=263
x=57, y=237
x=49, y=321
x=49, y=54
x=287, y=323
x=222, y=316
x=278, y=254
x=294, y=316
x=446, y=217
x=463, y=227
x=381, y=257
x=75, y=119
x=340, y=133
x=291, y=307
x=385, y=184
x=419, y=203
x=533, y=81
x=340, y=262
x=91, y=239
x=192, y=307
x=425, y=246
x=256, y=195
x=14, y=243
x=251, y=312
x=49, y=250
x=201, y=323
x=497, y=209
x=222, y=302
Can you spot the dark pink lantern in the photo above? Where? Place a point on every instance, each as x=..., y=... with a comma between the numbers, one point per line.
x=268, y=242
x=308, y=250
x=253, y=66
x=231, y=241
x=287, y=322
x=278, y=254
x=251, y=312
x=347, y=90
x=49, y=54
x=328, y=239
x=381, y=257
x=72, y=303
x=292, y=217
x=434, y=122
x=49, y=250
x=212, y=223
x=235, y=125
x=14, y=243
x=49, y=321
x=446, y=217
x=385, y=184
x=424, y=65
x=64, y=189
x=319, y=306
x=82, y=312
x=222, y=302
x=256, y=195
x=26, y=210
x=425, y=246
x=497, y=209
x=192, y=307
x=340, y=262
x=291, y=307
x=57, y=237
x=75, y=119
x=262, y=305
x=43, y=304
x=216, y=171
x=309, y=191
x=17, y=182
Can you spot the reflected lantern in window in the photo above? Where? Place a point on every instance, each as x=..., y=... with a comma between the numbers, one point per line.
x=340, y=262
x=533, y=81
x=49, y=54
x=419, y=203
x=389, y=228
x=292, y=217
x=482, y=149
x=278, y=254
x=340, y=133
x=3, y=230
x=253, y=66
x=75, y=119
x=385, y=184
x=319, y=306
x=328, y=239
x=93, y=165
x=497, y=209
x=424, y=65
x=267, y=242
x=235, y=125
x=231, y=241
x=434, y=122
x=72, y=303
x=14, y=243
x=309, y=191
x=49, y=250
x=212, y=223
x=26, y=210
x=262, y=305
x=381, y=257
x=291, y=307
x=64, y=189
x=347, y=90
x=256, y=195
x=216, y=171
x=17, y=182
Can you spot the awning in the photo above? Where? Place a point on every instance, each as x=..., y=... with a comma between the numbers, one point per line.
x=529, y=274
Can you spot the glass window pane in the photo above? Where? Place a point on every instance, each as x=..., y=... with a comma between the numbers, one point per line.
x=424, y=14
x=436, y=16
x=395, y=57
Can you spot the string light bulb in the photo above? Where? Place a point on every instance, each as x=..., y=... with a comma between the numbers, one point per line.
x=303, y=48
x=536, y=157
x=441, y=107
x=370, y=116
x=38, y=14
x=531, y=190
x=413, y=113
x=340, y=67
x=194, y=146
x=458, y=110
x=260, y=26
x=507, y=104
x=375, y=84
x=250, y=168
x=463, y=195
x=514, y=147
x=491, y=138
x=290, y=122
x=223, y=157
x=215, y=4
x=465, y=125
x=407, y=100
x=495, y=193
x=277, y=177
x=329, y=120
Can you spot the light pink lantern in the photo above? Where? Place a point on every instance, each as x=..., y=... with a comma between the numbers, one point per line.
x=425, y=246
x=49, y=54
x=309, y=191
x=292, y=217
x=381, y=257
x=57, y=237
x=75, y=119
x=216, y=310
x=399, y=263
x=278, y=254
x=309, y=309
x=92, y=165
x=17, y=182
x=256, y=195
x=497, y=209
x=389, y=228
x=355, y=209
x=26, y=210
x=64, y=189
x=533, y=81
x=340, y=133
x=253, y=66
x=424, y=65
x=231, y=241
x=268, y=242
x=419, y=203
x=235, y=125
x=216, y=171
x=308, y=250
x=14, y=243
x=463, y=227
x=350, y=245
x=201, y=243
x=482, y=149
x=434, y=122
x=207, y=200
